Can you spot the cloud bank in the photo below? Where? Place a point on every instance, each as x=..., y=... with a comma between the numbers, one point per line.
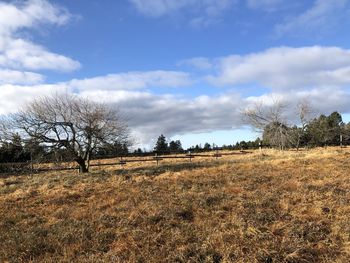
x=316, y=73
x=285, y=68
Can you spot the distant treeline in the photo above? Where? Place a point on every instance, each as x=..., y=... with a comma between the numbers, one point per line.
x=319, y=132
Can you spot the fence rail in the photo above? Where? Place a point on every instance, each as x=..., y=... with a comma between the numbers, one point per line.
x=32, y=167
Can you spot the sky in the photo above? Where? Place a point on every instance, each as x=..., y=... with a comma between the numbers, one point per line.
x=183, y=68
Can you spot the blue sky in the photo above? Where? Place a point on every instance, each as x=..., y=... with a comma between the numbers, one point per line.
x=184, y=68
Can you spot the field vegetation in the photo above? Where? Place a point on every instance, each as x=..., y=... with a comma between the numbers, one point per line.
x=268, y=206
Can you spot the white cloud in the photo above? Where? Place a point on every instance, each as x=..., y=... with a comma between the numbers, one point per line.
x=29, y=14
x=12, y=97
x=109, y=88
x=22, y=54
x=200, y=12
x=324, y=100
x=19, y=53
x=19, y=77
x=323, y=15
x=286, y=68
x=133, y=80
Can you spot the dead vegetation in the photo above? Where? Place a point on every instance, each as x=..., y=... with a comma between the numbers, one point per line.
x=277, y=207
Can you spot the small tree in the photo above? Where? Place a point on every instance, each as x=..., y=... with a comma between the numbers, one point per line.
x=67, y=122
x=298, y=132
x=161, y=144
x=277, y=134
x=113, y=149
x=207, y=147
x=175, y=146
x=346, y=133
x=270, y=121
x=12, y=150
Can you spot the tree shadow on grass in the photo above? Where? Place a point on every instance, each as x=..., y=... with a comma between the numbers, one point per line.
x=163, y=168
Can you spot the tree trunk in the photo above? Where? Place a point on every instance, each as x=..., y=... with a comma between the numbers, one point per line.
x=82, y=165
x=88, y=161
x=298, y=143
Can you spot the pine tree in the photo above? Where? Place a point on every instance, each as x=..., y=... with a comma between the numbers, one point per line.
x=161, y=145
x=175, y=146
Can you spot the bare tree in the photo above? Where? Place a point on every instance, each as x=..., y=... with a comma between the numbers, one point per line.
x=67, y=122
x=270, y=120
x=6, y=131
x=305, y=114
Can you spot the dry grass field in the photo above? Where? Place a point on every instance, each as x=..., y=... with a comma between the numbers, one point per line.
x=276, y=207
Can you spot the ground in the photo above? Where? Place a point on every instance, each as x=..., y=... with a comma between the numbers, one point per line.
x=267, y=206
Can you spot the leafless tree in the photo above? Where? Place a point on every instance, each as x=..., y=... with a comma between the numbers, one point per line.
x=305, y=114
x=64, y=121
x=271, y=121
x=5, y=129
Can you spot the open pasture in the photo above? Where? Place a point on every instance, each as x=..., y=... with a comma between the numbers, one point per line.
x=262, y=207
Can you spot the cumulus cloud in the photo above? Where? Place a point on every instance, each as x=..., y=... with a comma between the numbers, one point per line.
x=133, y=80
x=324, y=14
x=29, y=14
x=200, y=12
x=19, y=77
x=22, y=54
x=286, y=68
x=19, y=53
x=12, y=97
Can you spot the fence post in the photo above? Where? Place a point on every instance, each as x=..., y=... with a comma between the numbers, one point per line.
x=190, y=157
x=31, y=163
x=121, y=162
x=217, y=153
x=341, y=141
x=260, y=149
x=157, y=158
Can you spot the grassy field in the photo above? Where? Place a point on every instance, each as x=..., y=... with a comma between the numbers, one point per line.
x=276, y=207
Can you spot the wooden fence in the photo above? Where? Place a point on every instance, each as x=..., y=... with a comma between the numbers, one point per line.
x=32, y=167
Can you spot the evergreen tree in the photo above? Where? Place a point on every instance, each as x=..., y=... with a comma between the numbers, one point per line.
x=175, y=146
x=138, y=151
x=33, y=148
x=325, y=130
x=115, y=149
x=161, y=145
x=207, y=147
x=13, y=151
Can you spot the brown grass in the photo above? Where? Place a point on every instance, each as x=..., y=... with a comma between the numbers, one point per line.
x=276, y=207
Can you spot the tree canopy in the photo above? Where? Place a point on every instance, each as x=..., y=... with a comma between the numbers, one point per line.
x=75, y=124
